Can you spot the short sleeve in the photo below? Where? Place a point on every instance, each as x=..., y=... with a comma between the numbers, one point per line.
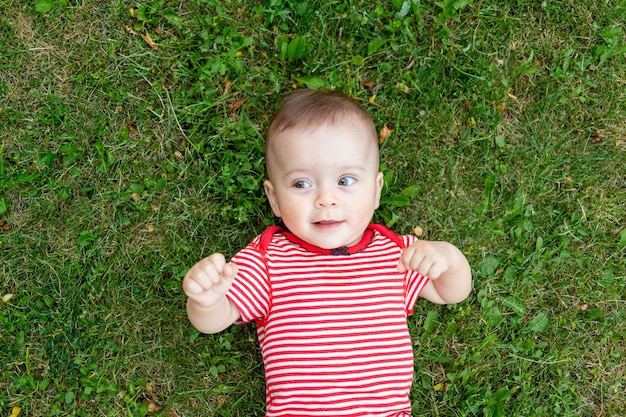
x=250, y=291
x=414, y=281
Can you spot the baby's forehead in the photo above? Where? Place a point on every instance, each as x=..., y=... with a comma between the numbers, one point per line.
x=346, y=142
x=364, y=126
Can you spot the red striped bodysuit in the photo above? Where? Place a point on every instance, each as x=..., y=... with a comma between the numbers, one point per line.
x=331, y=323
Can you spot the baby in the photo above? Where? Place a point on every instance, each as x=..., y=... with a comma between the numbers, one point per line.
x=329, y=292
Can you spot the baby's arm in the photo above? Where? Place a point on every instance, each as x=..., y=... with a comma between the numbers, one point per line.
x=449, y=272
x=206, y=284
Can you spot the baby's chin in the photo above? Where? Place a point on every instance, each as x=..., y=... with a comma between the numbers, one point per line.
x=333, y=243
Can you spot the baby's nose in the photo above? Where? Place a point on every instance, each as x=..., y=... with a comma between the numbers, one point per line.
x=325, y=198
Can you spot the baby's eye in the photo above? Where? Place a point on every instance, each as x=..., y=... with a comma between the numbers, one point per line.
x=346, y=181
x=301, y=184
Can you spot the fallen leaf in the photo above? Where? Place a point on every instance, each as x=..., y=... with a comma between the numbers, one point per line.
x=131, y=30
x=619, y=142
x=514, y=97
x=178, y=154
x=403, y=87
x=152, y=406
x=146, y=37
x=418, y=231
x=15, y=412
x=237, y=104
x=384, y=132
x=372, y=99
x=597, y=137
x=6, y=298
x=135, y=196
x=583, y=307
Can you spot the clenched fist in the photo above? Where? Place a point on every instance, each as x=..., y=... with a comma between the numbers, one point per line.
x=209, y=280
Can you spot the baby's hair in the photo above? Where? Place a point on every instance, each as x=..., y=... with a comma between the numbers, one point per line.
x=306, y=108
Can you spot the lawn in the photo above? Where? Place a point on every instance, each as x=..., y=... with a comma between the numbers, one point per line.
x=131, y=146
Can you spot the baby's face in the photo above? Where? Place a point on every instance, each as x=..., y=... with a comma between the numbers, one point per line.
x=324, y=182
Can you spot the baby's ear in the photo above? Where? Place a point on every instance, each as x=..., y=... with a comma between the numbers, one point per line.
x=380, y=181
x=271, y=196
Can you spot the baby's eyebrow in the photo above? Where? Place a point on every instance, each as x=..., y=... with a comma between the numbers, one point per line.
x=351, y=168
x=343, y=169
x=295, y=172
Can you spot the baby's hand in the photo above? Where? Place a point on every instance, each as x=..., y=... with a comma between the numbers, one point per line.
x=208, y=280
x=431, y=259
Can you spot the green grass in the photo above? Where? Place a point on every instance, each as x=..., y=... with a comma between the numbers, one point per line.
x=122, y=165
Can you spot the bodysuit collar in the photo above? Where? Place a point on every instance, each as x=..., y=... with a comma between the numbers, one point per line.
x=341, y=251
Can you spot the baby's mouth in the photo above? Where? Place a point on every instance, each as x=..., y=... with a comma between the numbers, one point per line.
x=327, y=223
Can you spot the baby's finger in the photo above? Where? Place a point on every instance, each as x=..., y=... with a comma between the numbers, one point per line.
x=200, y=275
x=191, y=287
x=204, y=299
x=412, y=259
x=425, y=268
x=403, y=263
x=209, y=271
x=217, y=260
x=198, y=279
x=195, y=281
x=435, y=271
x=229, y=271
x=228, y=275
